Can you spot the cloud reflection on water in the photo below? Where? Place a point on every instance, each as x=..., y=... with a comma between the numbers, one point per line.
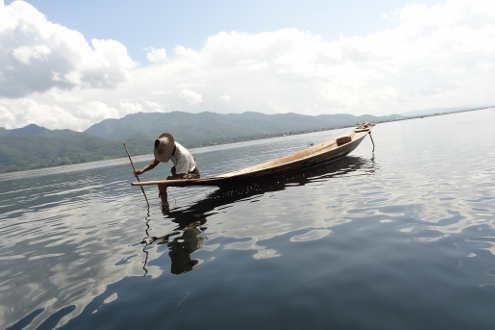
x=70, y=240
x=187, y=237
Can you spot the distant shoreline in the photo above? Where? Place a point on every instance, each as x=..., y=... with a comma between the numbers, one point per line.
x=267, y=136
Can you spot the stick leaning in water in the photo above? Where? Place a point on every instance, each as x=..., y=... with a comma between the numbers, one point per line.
x=134, y=172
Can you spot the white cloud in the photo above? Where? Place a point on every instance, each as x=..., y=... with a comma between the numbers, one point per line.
x=31, y=111
x=434, y=56
x=51, y=114
x=224, y=98
x=191, y=97
x=37, y=55
x=156, y=55
x=25, y=54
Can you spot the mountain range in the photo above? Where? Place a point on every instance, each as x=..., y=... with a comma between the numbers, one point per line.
x=33, y=146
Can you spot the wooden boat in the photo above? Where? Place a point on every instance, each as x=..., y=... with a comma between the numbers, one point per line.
x=309, y=157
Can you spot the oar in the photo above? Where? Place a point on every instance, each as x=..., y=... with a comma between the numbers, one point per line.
x=134, y=172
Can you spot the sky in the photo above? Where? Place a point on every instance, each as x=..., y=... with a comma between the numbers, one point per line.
x=67, y=64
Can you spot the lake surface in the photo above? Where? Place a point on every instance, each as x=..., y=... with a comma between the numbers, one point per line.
x=401, y=240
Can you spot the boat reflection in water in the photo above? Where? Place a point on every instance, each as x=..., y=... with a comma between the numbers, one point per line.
x=187, y=236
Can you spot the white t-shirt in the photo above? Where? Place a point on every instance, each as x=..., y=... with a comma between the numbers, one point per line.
x=182, y=159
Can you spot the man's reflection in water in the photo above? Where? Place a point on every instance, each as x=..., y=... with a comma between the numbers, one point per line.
x=181, y=249
x=188, y=236
x=182, y=241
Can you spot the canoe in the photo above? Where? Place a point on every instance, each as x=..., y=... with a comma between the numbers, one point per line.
x=297, y=161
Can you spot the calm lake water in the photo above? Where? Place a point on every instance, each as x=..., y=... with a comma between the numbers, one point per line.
x=404, y=240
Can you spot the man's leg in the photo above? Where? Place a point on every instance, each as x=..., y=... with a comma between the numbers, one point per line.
x=192, y=175
x=162, y=192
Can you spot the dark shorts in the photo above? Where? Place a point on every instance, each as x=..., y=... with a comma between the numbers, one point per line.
x=194, y=174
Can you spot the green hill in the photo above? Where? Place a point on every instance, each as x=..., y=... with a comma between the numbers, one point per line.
x=34, y=146
x=208, y=128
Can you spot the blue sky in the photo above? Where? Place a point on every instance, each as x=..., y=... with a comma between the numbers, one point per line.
x=70, y=64
x=142, y=24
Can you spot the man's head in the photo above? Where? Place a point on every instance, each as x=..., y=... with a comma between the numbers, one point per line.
x=164, y=147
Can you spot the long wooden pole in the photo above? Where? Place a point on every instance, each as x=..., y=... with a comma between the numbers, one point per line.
x=372, y=142
x=134, y=172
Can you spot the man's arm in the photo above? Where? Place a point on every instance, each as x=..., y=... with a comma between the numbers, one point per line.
x=151, y=165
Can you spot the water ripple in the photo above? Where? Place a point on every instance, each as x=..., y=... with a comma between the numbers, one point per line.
x=358, y=234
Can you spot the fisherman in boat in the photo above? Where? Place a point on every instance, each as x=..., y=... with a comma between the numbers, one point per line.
x=165, y=149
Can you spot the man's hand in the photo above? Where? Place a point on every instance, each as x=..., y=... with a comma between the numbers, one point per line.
x=148, y=167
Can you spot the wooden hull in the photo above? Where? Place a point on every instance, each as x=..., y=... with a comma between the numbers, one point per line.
x=298, y=161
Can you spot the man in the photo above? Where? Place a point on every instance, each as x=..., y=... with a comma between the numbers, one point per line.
x=166, y=149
